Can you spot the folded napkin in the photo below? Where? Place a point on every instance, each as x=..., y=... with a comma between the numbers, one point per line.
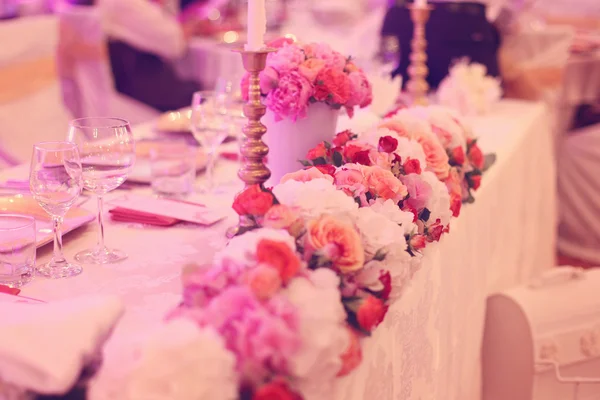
x=44, y=347
x=121, y=214
x=9, y=290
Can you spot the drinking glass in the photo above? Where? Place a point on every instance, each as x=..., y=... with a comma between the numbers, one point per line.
x=210, y=125
x=173, y=168
x=107, y=151
x=55, y=181
x=17, y=249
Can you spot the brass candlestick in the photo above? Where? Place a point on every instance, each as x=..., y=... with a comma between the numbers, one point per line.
x=417, y=71
x=253, y=170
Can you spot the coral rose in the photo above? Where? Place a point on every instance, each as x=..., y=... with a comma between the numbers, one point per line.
x=264, y=281
x=412, y=166
x=384, y=184
x=305, y=175
x=326, y=169
x=326, y=232
x=275, y=391
x=279, y=42
x=371, y=313
x=342, y=138
x=279, y=256
x=352, y=147
x=311, y=68
x=253, y=201
x=352, y=357
x=290, y=98
x=435, y=155
x=332, y=86
x=316, y=152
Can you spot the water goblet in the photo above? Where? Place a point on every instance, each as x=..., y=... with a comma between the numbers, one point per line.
x=210, y=124
x=17, y=249
x=55, y=181
x=107, y=151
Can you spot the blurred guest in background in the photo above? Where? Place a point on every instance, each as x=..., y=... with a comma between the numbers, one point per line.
x=144, y=35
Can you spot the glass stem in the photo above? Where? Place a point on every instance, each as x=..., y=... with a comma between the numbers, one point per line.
x=58, y=256
x=100, y=246
x=210, y=167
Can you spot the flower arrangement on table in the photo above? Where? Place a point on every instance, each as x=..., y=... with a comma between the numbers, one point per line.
x=298, y=75
x=282, y=311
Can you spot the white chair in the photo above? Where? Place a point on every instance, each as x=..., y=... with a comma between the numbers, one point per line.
x=84, y=70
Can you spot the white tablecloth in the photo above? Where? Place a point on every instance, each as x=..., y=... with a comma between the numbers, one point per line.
x=428, y=346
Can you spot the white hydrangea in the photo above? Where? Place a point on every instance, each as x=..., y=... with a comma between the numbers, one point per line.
x=439, y=201
x=390, y=210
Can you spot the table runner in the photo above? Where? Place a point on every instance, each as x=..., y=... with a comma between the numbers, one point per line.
x=428, y=346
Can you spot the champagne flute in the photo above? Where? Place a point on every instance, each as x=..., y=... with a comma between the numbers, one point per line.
x=210, y=125
x=107, y=151
x=55, y=180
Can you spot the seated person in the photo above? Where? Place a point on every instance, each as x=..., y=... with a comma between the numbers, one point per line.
x=455, y=30
x=143, y=36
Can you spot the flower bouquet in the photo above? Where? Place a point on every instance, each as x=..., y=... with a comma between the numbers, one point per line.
x=303, y=87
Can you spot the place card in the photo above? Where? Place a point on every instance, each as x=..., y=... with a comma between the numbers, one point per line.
x=172, y=208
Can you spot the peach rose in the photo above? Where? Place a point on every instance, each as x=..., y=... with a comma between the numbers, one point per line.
x=350, y=181
x=264, y=281
x=383, y=160
x=327, y=232
x=435, y=155
x=279, y=256
x=394, y=125
x=281, y=216
x=305, y=175
x=384, y=184
x=311, y=68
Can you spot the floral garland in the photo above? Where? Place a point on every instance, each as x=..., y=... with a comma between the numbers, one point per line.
x=297, y=75
x=282, y=310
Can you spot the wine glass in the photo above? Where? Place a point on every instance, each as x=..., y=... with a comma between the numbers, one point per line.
x=55, y=180
x=210, y=124
x=107, y=150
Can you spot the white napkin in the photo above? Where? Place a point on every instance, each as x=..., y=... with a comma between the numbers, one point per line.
x=43, y=347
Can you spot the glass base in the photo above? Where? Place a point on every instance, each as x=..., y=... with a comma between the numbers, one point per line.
x=54, y=270
x=105, y=256
x=17, y=281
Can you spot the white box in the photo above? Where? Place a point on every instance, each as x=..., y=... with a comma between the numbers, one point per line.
x=542, y=341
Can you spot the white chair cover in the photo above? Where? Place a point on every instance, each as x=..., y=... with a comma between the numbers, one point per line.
x=84, y=69
x=579, y=194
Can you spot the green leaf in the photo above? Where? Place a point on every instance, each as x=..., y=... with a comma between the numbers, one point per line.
x=489, y=160
x=305, y=163
x=319, y=161
x=425, y=214
x=327, y=145
x=380, y=255
x=338, y=160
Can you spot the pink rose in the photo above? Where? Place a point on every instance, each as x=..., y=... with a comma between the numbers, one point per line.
x=290, y=98
x=311, y=68
x=419, y=191
x=287, y=58
x=332, y=58
x=305, y=175
x=281, y=216
x=317, y=152
x=435, y=155
x=350, y=181
x=269, y=79
x=361, y=93
x=384, y=184
x=383, y=160
x=264, y=281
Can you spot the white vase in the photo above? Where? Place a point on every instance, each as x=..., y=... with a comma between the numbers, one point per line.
x=289, y=141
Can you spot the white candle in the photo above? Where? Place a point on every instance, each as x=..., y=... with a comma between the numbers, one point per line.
x=257, y=25
x=421, y=3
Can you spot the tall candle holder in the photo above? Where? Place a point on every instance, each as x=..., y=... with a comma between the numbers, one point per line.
x=253, y=170
x=417, y=85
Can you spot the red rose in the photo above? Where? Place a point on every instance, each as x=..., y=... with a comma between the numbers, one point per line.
x=386, y=280
x=350, y=150
x=275, y=391
x=362, y=157
x=412, y=166
x=332, y=86
x=475, y=181
x=415, y=212
x=252, y=201
x=455, y=204
x=417, y=242
x=434, y=232
x=352, y=357
x=371, y=313
x=458, y=155
x=388, y=144
x=476, y=156
x=341, y=138
x=319, y=151
x=279, y=256
x=327, y=169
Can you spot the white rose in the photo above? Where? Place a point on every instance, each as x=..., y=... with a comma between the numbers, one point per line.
x=390, y=210
x=439, y=202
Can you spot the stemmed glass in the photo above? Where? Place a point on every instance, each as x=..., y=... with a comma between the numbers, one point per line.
x=107, y=151
x=210, y=124
x=55, y=180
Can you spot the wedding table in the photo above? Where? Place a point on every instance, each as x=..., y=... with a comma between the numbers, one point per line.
x=428, y=346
